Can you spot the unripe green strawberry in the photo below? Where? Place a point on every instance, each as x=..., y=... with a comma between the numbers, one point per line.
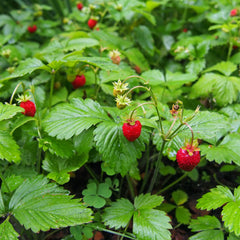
x=188, y=157
x=29, y=108
x=132, y=130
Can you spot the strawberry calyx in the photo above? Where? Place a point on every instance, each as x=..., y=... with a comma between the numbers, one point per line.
x=191, y=147
x=122, y=101
x=23, y=98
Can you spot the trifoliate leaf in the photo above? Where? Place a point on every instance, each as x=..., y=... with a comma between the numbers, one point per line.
x=183, y=215
x=7, y=231
x=39, y=205
x=118, y=214
x=8, y=111
x=204, y=223
x=95, y=194
x=71, y=119
x=116, y=150
x=208, y=234
x=59, y=168
x=9, y=149
x=151, y=224
x=147, y=201
x=227, y=151
x=215, y=198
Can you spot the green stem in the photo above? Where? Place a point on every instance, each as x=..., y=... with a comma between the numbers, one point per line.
x=14, y=92
x=173, y=183
x=134, y=76
x=69, y=6
x=129, y=91
x=117, y=233
x=51, y=89
x=130, y=187
x=191, y=133
x=229, y=50
x=91, y=173
x=140, y=105
x=157, y=167
x=125, y=230
x=170, y=129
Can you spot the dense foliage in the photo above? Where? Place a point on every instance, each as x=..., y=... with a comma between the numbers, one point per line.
x=116, y=115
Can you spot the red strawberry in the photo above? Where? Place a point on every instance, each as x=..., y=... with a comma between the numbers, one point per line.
x=32, y=29
x=188, y=157
x=137, y=69
x=92, y=23
x=185, y=30
x=132, y=132
x=79, y=6
x=79, y=81
x=233, y=12
x=29, y=107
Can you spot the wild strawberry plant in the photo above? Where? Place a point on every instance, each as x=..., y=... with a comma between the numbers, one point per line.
x=112, y=112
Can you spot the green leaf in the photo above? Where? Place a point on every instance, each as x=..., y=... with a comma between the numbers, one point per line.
x=235, y=58
x=232, y=236
x=149, y=224
x=95, y=194
x=183, y=215
x=215, y=198
x=26, y=67
x=224, y=89
x=8, y=111
x=80, y=43
x=13, y=182
x=226, y=68
x=7, y=231
x=208, y=234
x=2, y=207
x=209, y=126
x=60, y=168
x=204, y=223
x=111, y=40
x=101, y=62
x=117, y=152
x=9, y=149
x=176, y=80
x=227, y=151
x=136, y=57
x=144, y=37
x=179, y=197
x=154, y=77
x=39, y=205
x=118, y=214
x=147, y=201
x=67, y=120
x=196, y=66
x=61, y=148
x=231, y=216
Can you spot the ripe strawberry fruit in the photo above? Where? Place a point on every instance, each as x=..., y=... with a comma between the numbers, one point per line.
x=92, y=23
x=79, y=6
x=29, y=107
x=79, y=81
x=132, y=130
x=188, y=157
x=233, y=12
x=32, y=29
